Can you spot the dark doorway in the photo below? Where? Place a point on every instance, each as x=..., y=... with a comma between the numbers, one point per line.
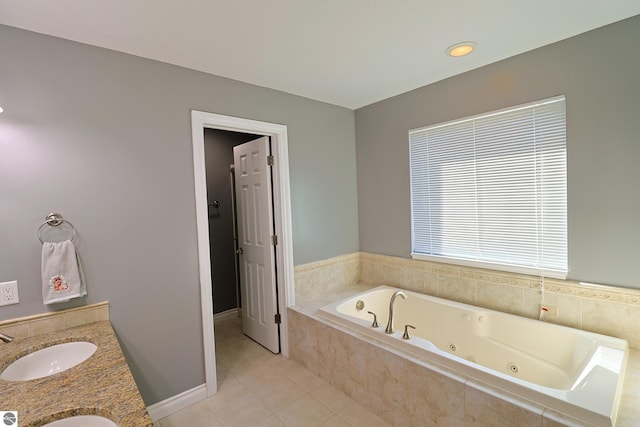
x=218, y=149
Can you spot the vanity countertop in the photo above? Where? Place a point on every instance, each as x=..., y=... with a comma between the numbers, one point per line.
x=101, y=385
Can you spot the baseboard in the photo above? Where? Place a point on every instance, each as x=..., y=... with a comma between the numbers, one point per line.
x=175, y=403
x=229, y=314
x=180, y=401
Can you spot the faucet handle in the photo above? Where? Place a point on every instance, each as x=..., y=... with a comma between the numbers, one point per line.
x=406, y=335
x=375, y=319
x=6, y=338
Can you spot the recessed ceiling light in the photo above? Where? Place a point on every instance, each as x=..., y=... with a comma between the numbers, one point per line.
x=461, y=49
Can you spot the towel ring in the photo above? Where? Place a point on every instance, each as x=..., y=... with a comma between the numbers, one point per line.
x=54, y=220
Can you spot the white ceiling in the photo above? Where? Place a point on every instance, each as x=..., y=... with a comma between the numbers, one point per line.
x=345, y=52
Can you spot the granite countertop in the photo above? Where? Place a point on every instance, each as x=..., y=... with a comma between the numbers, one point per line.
x=101, y=385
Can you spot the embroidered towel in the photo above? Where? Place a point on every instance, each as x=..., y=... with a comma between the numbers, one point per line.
x=62, y=277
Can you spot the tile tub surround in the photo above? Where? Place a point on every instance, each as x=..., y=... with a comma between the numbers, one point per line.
x=597, y=308
x=602, y=309
x=318, y=280
x=406, y=391
x=101, y=385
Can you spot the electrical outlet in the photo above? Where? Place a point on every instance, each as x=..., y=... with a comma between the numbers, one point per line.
x=552, y=310
x=9, y=293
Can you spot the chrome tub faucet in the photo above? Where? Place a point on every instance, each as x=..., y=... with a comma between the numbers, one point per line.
x=390, y=329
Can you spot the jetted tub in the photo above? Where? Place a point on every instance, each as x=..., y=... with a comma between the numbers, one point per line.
x=575, y=372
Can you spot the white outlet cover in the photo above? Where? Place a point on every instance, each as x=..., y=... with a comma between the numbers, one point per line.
x=9, y=288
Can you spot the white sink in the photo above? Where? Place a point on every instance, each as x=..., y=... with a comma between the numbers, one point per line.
x=83, y=421
x=48, y=361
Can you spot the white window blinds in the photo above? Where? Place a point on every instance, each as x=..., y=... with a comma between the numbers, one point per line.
x=490, y=190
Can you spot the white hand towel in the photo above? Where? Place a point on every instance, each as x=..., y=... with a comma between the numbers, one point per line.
x=62, y=277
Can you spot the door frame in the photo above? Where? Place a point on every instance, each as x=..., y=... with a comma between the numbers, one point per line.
x=201, y=120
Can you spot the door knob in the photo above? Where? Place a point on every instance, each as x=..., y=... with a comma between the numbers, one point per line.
x=239, y=251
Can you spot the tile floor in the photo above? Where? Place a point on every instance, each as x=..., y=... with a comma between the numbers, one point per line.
x=259, y=388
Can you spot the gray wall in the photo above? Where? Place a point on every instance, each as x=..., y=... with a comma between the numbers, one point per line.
x=218, y=152
x=105, y=139
x=598, y=71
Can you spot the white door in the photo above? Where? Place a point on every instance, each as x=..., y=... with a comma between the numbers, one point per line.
x=255, y=231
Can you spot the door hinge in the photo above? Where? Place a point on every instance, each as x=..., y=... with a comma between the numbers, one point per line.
x=274, y=240
x=269, y=160
x=277, y=318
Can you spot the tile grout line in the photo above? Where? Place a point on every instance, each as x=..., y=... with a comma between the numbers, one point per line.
x=304, y=379
x=306, y=393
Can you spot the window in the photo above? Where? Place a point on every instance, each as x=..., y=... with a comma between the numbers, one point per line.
x=490, y=190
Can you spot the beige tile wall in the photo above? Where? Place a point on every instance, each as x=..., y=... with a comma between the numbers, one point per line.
x=317, y=280
x=406, y=390
x=24, y=327
x=597, y=308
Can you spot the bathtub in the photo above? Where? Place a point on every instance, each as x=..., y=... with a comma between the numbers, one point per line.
x=574, y=372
